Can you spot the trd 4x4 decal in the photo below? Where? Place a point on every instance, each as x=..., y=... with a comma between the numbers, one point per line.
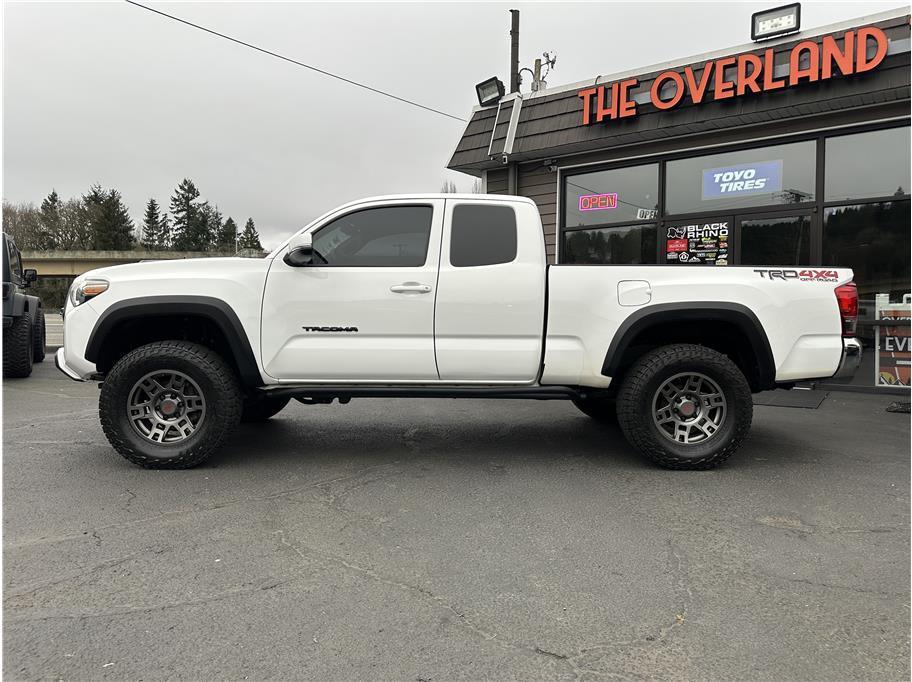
x=800, y=275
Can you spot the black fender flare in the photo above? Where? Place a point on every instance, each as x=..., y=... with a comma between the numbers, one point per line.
x=20, y=304
x=214, y=309
x=33, y=303
x=739, y=315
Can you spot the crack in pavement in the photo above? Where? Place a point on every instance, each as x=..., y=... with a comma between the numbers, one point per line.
x=759, y=573
x=321, y=558
x=685, y=598
x=29, y=589
x=117, y=611
x=177, y=513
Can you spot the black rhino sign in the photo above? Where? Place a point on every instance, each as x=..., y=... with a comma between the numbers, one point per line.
x=698, y=243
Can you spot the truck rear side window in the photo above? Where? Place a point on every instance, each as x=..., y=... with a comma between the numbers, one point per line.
x=482, y=235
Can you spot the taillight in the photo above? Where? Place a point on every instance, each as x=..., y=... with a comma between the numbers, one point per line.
x=847, y=298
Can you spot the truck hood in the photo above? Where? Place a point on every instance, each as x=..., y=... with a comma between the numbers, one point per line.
x=181, y=268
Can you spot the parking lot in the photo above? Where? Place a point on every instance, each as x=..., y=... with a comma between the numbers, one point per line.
x=433, y=540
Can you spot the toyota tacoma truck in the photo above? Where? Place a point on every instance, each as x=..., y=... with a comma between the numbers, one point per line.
x=446, y=296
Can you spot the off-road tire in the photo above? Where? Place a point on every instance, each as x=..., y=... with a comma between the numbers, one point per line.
x=259, y=409
x=18, y=348
x=635, y=406
x=216, y=380
x=39, y=339
x=602, y=410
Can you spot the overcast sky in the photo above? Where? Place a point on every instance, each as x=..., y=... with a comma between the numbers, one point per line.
x=110, y=93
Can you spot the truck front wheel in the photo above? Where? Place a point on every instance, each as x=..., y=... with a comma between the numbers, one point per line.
x=685, y=406
x=169, y=404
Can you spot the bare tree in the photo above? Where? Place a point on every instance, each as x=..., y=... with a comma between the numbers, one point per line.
x=22, y=222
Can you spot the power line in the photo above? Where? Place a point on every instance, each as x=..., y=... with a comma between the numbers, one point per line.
x=294, y=61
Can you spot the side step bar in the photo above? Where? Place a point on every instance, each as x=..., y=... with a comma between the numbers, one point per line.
x=345, y=393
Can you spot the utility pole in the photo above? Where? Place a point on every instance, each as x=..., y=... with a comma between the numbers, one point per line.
x=514, y=50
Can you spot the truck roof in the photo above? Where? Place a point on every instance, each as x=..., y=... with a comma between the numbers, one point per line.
x=440, y=195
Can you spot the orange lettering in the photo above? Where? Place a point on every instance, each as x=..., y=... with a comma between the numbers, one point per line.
x=602, y=109
x=842, y=58
x=812, y=72
x=586, y=96
x=748, y=81
x=862, y=63
x=626, y=107
x=769, y=65
x=723, y=88
x=697, y=91
x=655, y=92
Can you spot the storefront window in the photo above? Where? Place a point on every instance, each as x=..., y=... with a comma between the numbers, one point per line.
x=784, y=174
x=867, y=165
x=873, y=240
x=776, y=241
x=627, y=244
x=612, y=197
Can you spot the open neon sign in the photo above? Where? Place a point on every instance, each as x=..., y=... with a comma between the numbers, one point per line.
x=598, y=202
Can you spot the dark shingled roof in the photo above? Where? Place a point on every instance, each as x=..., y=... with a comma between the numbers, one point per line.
x=550, y=124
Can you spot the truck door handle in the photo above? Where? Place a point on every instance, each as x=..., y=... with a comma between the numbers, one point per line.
x=410, y=288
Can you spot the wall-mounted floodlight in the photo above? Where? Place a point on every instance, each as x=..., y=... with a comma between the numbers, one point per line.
x=489, y=91
x=776, y=22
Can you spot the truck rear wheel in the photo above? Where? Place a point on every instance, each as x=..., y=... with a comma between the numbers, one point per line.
x=685, y=406
x=169, y=404
x=18, y=348
x=40, y=338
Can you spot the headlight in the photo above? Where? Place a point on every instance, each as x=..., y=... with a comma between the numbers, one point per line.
x=82, y=291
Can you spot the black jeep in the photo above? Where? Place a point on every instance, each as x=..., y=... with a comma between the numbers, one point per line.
x=23, y=316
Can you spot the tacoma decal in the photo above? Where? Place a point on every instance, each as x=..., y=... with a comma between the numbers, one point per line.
x=330, y=329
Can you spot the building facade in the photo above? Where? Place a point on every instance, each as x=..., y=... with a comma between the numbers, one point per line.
x=793, y=151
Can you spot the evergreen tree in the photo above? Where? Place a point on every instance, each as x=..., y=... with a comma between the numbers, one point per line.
x=50, y=222
x=93, y=200
x=228, y=235
x=115, y=229
x=189, y=229
x=213, y=220
x=151, y=229
x=250, y=239
x=164, y=232
x=111, y=225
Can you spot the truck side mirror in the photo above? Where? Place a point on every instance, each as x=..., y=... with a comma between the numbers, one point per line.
x=300, y=251
x=30, y=275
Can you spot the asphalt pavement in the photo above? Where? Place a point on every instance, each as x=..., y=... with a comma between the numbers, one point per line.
x=448, y=540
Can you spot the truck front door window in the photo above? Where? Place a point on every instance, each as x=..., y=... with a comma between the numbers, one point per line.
x=389, y=236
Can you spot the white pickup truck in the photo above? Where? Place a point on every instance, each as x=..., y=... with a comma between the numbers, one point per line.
x=446, y=296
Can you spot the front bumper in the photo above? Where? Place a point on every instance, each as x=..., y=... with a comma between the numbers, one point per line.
x=60, y=363
x=851, y=359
